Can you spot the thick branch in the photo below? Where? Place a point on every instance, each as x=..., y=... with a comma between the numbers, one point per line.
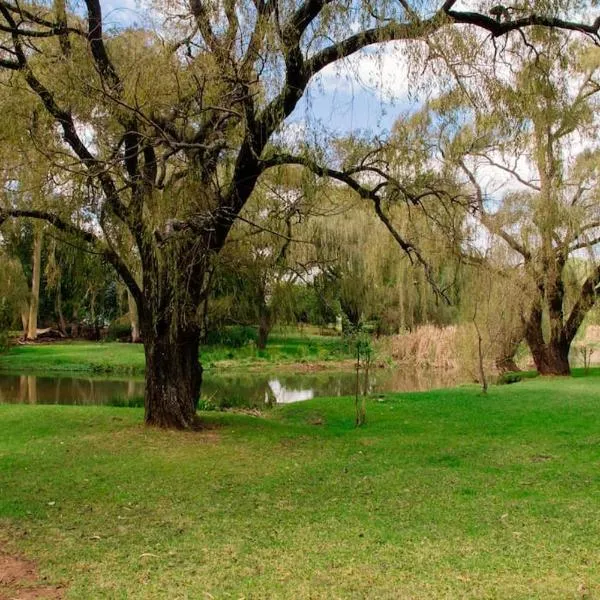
x=500, y=28
x=95, y=37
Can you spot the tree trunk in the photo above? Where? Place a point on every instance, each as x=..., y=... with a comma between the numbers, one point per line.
x=505, y=361
x=506, y=364
x=133, y=318
x=35, y=286
x=509, y=342
x=62, y=324
x=173, y=378
x=265, y=321
x=551, y=358
x=264, y=328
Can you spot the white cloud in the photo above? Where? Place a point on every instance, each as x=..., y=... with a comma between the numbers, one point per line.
x=292, y=134
x=382, y=69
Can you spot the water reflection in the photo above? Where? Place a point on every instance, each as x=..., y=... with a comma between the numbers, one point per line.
x=32, y=389
x=244, y=390
x=283, y=395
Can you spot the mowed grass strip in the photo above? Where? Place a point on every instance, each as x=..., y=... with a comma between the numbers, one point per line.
x=446, y=494
x=122, y=358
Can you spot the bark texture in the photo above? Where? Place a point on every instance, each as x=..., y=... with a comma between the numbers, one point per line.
x=173, y=378
x=35, y=286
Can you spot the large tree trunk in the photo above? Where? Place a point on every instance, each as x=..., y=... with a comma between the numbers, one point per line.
x=264, y=328
x=551, y=356
x=173, y=378
x=35, y=286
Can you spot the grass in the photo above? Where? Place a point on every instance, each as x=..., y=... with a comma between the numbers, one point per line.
x=446, y=494
x=120, y=358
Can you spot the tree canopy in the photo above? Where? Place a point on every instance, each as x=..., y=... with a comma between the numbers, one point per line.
x=149, y=141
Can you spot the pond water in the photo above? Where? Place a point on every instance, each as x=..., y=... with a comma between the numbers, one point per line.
x=244, y=390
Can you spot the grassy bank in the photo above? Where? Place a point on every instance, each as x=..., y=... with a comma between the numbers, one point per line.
x=120, y=358
x=445, y=494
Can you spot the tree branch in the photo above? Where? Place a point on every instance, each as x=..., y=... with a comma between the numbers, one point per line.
x=487, y=221
x=410, y=249
x=67, y=227
x=587, y=299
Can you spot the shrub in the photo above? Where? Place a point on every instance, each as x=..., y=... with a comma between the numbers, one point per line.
x=119, y=331
x=508, y=378
x=234, y=336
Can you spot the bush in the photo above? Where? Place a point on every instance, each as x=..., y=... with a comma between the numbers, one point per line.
x=234, y=336
x=119, y=331
x=508, y=378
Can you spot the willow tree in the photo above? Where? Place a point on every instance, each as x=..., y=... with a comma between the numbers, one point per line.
x=509, y=152
x=269, y=254
x=373, y=279
x=530, y=161
x=164, y=134
x=12, y=294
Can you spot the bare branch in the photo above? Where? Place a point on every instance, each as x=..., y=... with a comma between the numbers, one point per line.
x=489, y=222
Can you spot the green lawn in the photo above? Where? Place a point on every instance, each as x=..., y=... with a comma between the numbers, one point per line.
x=113, y=357
x=445, y=494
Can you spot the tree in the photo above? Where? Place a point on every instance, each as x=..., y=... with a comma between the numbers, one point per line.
x=164, y=135
x=528, y=124
x=12, y=294
x=374, y=280
x=538, y=128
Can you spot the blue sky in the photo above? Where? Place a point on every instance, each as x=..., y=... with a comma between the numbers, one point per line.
x=348, y=111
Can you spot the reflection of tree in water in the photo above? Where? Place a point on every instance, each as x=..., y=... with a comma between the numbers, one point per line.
x=252, y=391
x=270, y=398
x=32, y=389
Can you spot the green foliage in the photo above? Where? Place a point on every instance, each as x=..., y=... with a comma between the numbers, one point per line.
x=232, y=336
x=119, y=330
x=508, y=378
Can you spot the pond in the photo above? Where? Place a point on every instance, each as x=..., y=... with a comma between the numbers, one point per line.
x=250, y=390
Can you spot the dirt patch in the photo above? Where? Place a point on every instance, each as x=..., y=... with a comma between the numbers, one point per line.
x=37, y=593
x=13, y=569
x=19, y=580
